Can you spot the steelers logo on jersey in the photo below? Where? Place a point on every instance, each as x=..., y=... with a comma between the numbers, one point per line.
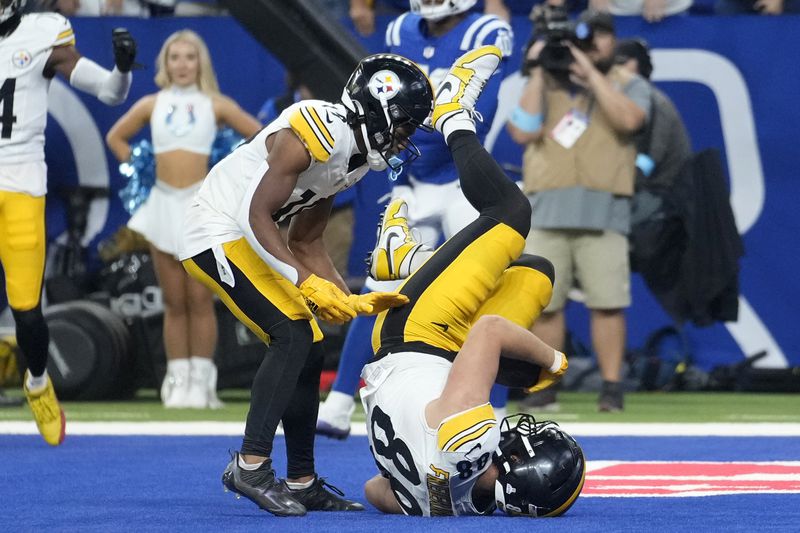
x=21, y=58
x=384, y=82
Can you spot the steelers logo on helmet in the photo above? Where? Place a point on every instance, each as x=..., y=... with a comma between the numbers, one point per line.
x=384, y=84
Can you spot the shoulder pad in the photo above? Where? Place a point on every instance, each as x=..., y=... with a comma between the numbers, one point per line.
x=489, y=29
x=308, y=124
x=465, y=428
x=55, y=29
x=393, y=31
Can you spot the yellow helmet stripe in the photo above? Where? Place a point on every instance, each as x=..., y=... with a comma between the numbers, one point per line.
x=572, y=498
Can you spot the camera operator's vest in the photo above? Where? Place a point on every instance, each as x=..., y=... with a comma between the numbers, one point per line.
x=601, y=158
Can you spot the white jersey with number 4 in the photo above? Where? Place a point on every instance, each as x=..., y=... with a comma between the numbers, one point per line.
x=23, y=87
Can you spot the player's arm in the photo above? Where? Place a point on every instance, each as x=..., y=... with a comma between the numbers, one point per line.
x=128, y=125
x=229, y=113
x=287, y=158
x=307, y=245
x=110, y=87
x=379, y=494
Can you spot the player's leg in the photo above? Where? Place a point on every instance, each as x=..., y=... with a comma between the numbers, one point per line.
x=272, y=308
x=299, y=422
x=448, y=289
x=22, y=252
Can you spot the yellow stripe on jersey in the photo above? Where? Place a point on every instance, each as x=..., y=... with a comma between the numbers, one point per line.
x=65, y=38
x=466, y=426
x=304, y=126
x=470, y=437
x=320, y=125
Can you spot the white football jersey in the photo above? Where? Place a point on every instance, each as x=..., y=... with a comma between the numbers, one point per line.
x=23, y=87
x=432, y=471
x=220, y=212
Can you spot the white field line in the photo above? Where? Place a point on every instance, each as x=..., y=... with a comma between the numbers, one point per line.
x=574, y=428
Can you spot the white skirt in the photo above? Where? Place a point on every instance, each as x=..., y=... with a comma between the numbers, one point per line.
x=160, y=217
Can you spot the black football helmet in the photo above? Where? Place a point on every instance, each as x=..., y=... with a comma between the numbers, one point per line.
x=542, y=468
x=385, y=92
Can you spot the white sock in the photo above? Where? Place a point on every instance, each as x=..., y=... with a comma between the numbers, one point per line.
x=500, y=413
x=36, y=383
x=558, y=358
x=178, y=366
x=201, y=363
x=300, y=486
x=249, y=466
x=460, y=120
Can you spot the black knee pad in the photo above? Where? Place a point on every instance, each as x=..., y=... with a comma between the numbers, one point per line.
x=537, y=262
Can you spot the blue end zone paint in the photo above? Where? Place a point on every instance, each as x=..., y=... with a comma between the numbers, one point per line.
x=172, y=484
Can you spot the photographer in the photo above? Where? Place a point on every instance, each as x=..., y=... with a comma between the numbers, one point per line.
x=577, y=116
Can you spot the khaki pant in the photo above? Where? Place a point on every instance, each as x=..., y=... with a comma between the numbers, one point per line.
x=597, y=260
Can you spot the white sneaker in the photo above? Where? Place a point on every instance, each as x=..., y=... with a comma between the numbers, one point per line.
x=454, y=107
x=396, y=254
x=175, y=387
x=334, y=415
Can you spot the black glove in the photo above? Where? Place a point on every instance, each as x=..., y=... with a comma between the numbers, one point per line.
x=124, y=49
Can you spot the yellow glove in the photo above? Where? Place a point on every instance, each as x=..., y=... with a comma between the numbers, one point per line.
x=326, y=300
x=373, y=303
x=549, y=377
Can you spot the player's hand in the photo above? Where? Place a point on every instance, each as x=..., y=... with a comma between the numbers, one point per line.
x=124, y=49
x=373, y=303
x=547, y=379
x=326, y=300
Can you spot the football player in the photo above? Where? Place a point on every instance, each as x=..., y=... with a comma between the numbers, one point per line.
x=291, y=170
x=434, y=34
x=434, y=435
x=34, y=48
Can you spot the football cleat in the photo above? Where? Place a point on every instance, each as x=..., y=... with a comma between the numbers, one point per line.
x=47, y=412
x=393, y=256
x=317, y=498
x=459, y=91
x=262, y=488
x=548, y=379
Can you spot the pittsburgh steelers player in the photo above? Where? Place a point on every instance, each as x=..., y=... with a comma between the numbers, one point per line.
x=291, y=170
x=431, y=428
x=34, y=48
x=433, y=33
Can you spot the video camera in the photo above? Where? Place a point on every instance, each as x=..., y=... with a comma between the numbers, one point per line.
x=553, y=25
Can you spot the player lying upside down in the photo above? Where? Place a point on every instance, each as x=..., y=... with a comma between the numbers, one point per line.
x=431, y=428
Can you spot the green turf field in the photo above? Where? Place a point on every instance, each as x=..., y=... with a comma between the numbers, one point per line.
x=575, y=407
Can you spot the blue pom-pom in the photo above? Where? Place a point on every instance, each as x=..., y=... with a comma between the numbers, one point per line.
x=140, y=173
x=225, y=142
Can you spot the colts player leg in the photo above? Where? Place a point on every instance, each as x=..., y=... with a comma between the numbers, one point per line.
x=22, y=252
